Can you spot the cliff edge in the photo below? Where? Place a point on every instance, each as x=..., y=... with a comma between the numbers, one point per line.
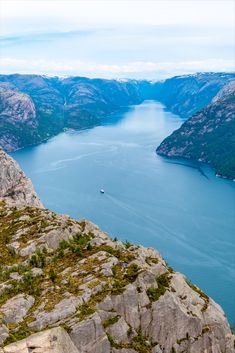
x=15, y=187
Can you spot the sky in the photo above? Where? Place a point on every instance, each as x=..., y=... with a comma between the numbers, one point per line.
x=117, y=39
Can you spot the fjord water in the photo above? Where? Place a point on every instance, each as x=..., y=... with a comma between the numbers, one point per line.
x=184, y=211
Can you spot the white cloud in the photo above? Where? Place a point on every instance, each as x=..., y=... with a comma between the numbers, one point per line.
x=132, y=38
x=156, y=70
x=18, y=15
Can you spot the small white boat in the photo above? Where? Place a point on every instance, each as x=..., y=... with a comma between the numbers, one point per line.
x=102, y=191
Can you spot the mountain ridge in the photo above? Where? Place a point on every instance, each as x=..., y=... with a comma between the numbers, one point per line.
x=34, y=108
x=79, y=102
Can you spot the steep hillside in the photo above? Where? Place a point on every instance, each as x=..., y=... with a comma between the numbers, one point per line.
x=66, y=286
x=74, y=102
x=209, y=136
x=18, y=121
x=185, y=95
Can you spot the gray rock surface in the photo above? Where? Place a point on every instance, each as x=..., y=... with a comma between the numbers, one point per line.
x=16, y=308
x=14, y=185
x=55, y=340
x=4, y=333
x=89, y=336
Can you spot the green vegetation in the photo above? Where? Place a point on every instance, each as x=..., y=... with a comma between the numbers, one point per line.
x=111, y=321
x=201, y=294
x=123, y=276
x=21, y=333
x=69, y=270
x=84, y=311
x=163, y=282
x=38, y=259
x=151, y=260
x=153, y=294
x=139, y=343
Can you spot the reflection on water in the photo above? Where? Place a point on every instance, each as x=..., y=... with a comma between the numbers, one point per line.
x=184, y=211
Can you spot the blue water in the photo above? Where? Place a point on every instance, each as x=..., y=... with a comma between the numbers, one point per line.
x=186, y=212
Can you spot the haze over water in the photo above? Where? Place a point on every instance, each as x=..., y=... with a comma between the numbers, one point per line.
x=184, y=211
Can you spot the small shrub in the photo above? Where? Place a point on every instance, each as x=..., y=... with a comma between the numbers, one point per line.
x=153, y=294
x=111, y=321
x=76, y=250
x=163, y=282
x=132, y=272
x=38, y=259
x=127, y=244
x=118, y=286
x=141, y=344
x=52, y=275
x=84, y=311
x=64, y=244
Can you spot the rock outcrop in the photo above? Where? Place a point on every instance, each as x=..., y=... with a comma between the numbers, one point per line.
x=208, y=136
x=14, y=185
x=108, y=296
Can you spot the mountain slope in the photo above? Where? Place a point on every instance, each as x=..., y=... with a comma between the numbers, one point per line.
x=18, y=121
x=74, y=102
x=58, y=274
x=185, y=95
x=209, y=136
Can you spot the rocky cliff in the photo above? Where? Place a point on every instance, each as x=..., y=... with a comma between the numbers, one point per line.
x=18, y=121
x=66, y=286
x=208, y=136
x=15, y=187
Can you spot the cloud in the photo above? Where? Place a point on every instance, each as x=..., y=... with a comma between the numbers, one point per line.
x=24, y=15
x=140, y=69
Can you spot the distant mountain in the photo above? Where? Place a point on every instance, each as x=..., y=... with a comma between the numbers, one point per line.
x=208, y=136
x=34, y=108
x=185, y=95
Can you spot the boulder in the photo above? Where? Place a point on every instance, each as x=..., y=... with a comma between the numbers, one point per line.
x=16, y=308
